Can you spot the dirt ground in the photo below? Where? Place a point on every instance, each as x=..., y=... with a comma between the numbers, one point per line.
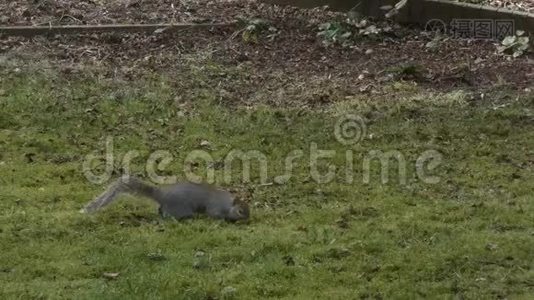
x=153, y=11
x=290, y=58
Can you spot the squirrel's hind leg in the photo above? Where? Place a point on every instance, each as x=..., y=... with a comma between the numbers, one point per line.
x=163, y=214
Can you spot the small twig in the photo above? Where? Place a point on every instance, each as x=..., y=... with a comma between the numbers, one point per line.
x=235, y=34
x=71, y=17
x=356, y=6
x=79, y=29
x=401, y=4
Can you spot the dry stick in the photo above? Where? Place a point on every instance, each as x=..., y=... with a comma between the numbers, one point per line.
x=29, y=31
x=396, y=9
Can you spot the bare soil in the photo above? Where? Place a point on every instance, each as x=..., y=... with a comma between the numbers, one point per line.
x=291, y=65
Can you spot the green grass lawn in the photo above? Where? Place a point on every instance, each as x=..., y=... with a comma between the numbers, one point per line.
x=470, y=236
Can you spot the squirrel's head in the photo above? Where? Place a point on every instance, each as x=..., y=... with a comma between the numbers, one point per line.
x=239, y=211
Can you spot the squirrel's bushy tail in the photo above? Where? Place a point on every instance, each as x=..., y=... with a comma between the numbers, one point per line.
x=130, y=185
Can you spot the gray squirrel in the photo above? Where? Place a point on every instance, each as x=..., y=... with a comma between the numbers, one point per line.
x=182, y=200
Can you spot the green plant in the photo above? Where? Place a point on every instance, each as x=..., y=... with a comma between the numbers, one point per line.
x=344, y=32
x=335, y=33
x=516, y=45
x=255, y=27
x=436, y=41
